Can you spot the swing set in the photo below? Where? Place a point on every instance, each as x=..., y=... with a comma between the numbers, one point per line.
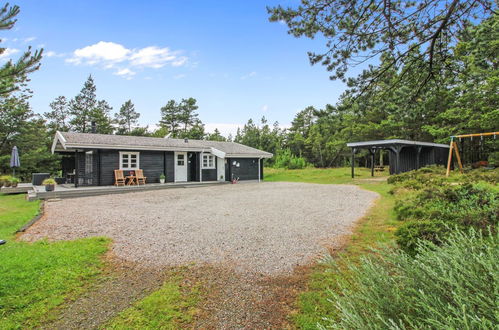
x=477, y=150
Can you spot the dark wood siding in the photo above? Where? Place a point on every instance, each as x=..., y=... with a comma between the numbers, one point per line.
x=152, y=164
x=408, y=158
x=109, y=161
x=209, y=174
x=247, y=170
x=170, y=166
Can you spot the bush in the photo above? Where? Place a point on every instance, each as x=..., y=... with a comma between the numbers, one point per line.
x=411, y=232
x=494, y=159
x=432, y=211
x=449, y=287
x=285, y=159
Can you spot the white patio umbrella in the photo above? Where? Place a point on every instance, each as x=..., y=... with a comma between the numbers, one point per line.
x=14, y=160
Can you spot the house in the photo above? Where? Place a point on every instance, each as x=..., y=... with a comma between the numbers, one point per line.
x=404, y=155
x=90, y=159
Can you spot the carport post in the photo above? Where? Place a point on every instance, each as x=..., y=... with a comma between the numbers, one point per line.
x=353, y=162
x=418, y=156
x=373, y=152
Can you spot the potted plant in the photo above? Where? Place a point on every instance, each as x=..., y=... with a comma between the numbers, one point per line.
x=3, y=179
x=14, y=182
x=162, y=178
x=7, y=181
x=49, y=184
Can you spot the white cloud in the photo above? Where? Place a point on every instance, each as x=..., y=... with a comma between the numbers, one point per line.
x=249, y=75
x=51, y=53
x=125, y=72
x=179, y=76
x=265, y=107
x=155, y=57
x=8, y=52
x=29, y=39
x=109, y=54
x=101, y=52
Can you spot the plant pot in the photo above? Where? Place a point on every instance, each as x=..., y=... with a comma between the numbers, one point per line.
x=14, y=185
x=161, y=180
x=7, y=184
x=49, y=187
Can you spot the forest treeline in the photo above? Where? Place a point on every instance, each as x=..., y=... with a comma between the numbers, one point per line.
x=464, y=99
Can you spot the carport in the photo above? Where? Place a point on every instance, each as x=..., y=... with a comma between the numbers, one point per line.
x=404, y=155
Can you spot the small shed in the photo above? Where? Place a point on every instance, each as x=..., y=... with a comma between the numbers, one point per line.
x=404, y=155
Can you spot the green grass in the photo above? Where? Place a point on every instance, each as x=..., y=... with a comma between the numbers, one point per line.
x=170, y=307
x=37, y=278
x=377, y=227
x=317, y=175
x=14, y=213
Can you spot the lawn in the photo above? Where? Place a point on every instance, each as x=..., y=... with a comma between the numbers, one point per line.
x=37, y=278
x=318, y=175
x=377, y=227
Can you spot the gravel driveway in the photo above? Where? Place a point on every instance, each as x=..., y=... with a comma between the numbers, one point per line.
x=266, y=228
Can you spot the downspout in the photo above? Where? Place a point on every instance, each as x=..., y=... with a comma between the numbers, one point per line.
x=201, y=167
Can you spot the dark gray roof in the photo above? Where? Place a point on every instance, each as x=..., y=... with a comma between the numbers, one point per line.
x=387, y=143
x=71, y=141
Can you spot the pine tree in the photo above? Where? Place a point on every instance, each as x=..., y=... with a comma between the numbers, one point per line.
x=216, y=136
x=85, y=109
x=181, y=120
x=58, y=118
x=13, y=75
x=170, y=118
x=126, y=118
x=188, y=116
x=101, y=117
x=82, y=105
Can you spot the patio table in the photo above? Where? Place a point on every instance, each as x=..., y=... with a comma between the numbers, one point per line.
x=132, y=180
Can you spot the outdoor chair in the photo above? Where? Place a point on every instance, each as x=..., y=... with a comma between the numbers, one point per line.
x=141, y=179
x=119, y=178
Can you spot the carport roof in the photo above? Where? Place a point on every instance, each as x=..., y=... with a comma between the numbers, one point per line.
x=70, y=141
x=392, y=142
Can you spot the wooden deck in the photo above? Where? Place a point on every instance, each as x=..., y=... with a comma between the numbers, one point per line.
x=69, y=191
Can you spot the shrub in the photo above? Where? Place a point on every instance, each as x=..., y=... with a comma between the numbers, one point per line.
x=432, y=211
x=494, y=159
x=285, y=159
x=411, y=232
x=449, y=287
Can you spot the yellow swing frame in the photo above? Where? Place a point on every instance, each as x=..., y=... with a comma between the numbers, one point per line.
x=454, y=148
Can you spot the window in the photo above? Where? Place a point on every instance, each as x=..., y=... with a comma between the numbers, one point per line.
x=180, y=160
x=208, y=161
x=129, y=160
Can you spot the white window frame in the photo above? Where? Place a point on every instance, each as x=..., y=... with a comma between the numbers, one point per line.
x=128, y=153
x=210, y=160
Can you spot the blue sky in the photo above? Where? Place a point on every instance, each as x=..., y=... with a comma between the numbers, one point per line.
x=226, y=54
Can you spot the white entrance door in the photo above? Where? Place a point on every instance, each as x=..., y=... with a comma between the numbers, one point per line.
x=220, y=169
x=180, y=166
